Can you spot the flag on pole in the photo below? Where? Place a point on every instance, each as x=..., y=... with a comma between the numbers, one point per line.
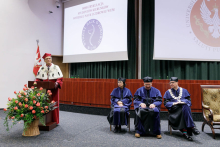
x=37, y=63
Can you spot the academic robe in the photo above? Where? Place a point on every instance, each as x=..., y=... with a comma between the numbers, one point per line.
x=147, y=120
x=180, y=116
x=54, y=74
x=119, y=114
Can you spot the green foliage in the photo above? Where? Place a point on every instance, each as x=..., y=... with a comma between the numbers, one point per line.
x=26, y=107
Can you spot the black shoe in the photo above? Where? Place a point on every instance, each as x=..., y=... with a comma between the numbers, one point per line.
x=195, y=131
x=115, y=130
x=119, y=129
x=187, y=137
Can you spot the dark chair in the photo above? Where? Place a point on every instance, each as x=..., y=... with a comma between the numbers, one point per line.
x=128, y=126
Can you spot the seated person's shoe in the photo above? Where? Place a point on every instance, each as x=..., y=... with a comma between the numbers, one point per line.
x=187, y=137
x=159, y=136
x=119, y=129
x=195, y=131
x=137, y=135
x=115, y=130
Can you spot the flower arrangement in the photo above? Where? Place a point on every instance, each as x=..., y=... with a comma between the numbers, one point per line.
x=30, y=104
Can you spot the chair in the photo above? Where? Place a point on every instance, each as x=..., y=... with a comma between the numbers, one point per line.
x=211, y=106
x=128, y=123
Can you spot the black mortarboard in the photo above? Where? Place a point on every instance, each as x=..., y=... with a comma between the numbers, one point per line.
x=147, y=79
x=122, y=79
x=174, y=79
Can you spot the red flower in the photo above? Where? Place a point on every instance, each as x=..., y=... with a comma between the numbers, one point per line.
x=34, y=101
x=38, y=94
x=26, y=99
x=32, y=87
x=22, y=115
x=38, y=104
x=16, y=101
x=12, y=117
x=35, y=83
x=30, y=107
x=9, y=99
x=34, y=117
x=19, y=96
x=5, y=109
x=42, y=111
x=33, y=111
x=19, y=92
x=24, y=89
x=16, y=108
x=25, y=85
x=26, y=106
x=50, y=94
x=48, y=91
x=46, y=107
x=52, y=101
x=20, y=104
x=25, y=93
x=40, y=88
x=15, y=92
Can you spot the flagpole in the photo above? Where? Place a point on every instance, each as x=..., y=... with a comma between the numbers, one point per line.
x=37, y=41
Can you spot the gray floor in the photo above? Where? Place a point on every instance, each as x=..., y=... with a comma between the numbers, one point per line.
x=84, y=130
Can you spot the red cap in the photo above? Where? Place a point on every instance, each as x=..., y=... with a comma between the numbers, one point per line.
x=46, y=55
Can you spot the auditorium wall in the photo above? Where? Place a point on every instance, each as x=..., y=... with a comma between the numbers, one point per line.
x=22, y=22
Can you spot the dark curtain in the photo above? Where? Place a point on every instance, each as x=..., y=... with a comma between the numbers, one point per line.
x=163, y=69
x=112, y=69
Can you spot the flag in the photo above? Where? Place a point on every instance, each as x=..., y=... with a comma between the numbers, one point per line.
x=37, y=63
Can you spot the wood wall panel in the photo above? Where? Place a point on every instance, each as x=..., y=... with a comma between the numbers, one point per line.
x=96, y=92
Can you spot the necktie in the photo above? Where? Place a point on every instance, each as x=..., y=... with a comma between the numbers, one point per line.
x=121, y=94
x=48, y=72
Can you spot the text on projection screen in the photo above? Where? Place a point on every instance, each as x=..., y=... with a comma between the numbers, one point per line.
x=96, y=31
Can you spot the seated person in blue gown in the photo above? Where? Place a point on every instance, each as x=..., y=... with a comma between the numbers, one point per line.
x=147, y=101
x=178, y=102
x=121, y=99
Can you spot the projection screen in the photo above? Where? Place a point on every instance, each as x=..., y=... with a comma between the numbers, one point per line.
x=187, y=30
x=96, y=31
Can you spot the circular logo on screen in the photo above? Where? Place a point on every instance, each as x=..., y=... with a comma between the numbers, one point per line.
x=92, y=34
x=203, y=21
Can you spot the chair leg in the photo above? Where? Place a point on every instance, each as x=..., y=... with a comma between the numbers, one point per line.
x=128, y=122
x=170, y=130
x=168, y=126
x=203, y=125
x=213, y=132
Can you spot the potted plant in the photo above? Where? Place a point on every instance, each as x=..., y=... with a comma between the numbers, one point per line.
x=30, y=105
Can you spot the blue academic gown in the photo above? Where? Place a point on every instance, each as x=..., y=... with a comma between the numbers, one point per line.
x=147, y=120
x=119, y=114
x=180, y=116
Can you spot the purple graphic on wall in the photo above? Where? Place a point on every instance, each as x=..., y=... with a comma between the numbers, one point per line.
x=92, y=34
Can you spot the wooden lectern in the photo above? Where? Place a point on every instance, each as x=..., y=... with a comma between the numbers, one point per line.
x=48, y=117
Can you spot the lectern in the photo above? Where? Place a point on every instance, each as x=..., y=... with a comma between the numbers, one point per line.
x=48, y=120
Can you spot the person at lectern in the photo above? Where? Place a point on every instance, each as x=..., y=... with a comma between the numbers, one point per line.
x=51, y=72
x=147, y=101
x=178, y=102
x=121, y=99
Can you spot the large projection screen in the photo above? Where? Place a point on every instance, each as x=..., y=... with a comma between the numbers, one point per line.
x=187, y=30
x=95, y=31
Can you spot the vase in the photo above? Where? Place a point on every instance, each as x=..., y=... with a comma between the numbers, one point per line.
x=33, y=129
